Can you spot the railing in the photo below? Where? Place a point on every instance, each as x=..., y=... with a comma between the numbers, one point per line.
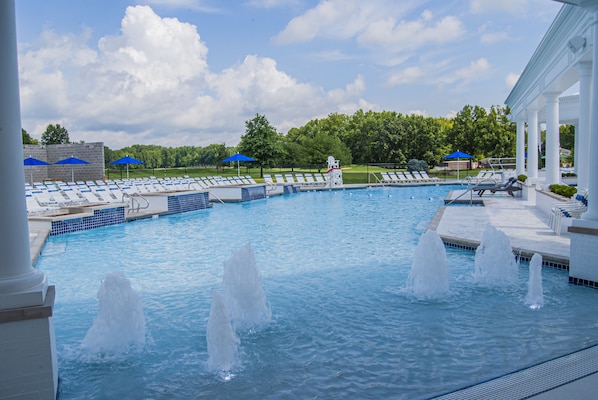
x=502, y=163
x=135, y=203
x=375, y=177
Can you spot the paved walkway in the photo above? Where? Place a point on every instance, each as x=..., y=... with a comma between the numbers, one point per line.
x=526, y=226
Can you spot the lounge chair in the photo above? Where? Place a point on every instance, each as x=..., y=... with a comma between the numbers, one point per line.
x=571, y=209
x=395, y=177
x=279, y=179
x=428, y=178
x=386, y=178
x=309, y=179
x=508, y=186
x=320, y=179
x=300, y=178
x=289, y=178
x=410, y=178
x=268, y=179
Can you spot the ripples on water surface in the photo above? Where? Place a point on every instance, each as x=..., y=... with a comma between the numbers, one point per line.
x=334, y=267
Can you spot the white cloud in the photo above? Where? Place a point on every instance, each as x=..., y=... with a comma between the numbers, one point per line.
x=152, y=84
x=410, y=35
x=512, y=7
x=493, y=37
x=197, y=5
x=510, y=80
x=476, y=70
x=272, y=3
x=408, y=75
x=339, y=19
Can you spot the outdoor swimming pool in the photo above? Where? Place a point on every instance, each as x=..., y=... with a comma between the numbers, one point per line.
x=334, y=268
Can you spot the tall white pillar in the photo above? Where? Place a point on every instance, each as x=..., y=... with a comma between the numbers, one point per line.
x=520, y=163
x=584, y=232
x=582, y=133
x=553, y=160
x=27, y=341
x=532, y=143
x=20, y=284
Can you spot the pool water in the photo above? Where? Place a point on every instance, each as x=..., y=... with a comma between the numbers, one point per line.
x=334, y=268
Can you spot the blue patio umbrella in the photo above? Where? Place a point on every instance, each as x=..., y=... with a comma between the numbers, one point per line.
x=72, y=160
x=34, y=162
x=238, y=158
x=127, y=160
x=458, y=155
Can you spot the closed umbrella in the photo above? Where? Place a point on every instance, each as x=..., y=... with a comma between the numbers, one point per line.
x=238, y=158
x=458, y=155
x=127, y=160
x=72, y=161
x=34, y=162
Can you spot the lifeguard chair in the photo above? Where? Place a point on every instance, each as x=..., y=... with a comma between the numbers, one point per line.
x=334, y=175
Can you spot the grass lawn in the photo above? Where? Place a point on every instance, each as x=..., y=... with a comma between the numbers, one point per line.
x=351, y=174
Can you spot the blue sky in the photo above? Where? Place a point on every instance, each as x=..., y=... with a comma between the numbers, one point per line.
x=191, y=72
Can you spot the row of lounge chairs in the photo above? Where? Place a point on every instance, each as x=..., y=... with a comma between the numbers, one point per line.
x=570, y=209
x=407, y=177
x=48, y=197
x=297, y=178
x=488, y=177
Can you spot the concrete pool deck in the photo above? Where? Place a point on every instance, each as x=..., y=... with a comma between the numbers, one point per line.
x=524, y=224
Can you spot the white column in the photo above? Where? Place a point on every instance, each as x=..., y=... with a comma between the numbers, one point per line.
x=20, y=284
x=582, y=134
x=592, y=213
x=532, y=143
x=520, y=166
x=553, y=167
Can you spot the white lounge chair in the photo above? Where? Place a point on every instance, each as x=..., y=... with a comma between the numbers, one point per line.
x=309, y=179
x=425, y=175
x=396, y=177
x=289, y=178
x=319, y=178
x=300, y=178
x=279, y=179
x=386, y=178
x=409, y=177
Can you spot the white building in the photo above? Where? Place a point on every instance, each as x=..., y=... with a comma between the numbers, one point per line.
x=564, y=59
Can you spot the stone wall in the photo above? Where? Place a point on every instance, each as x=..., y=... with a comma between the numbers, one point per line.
x=90, y=152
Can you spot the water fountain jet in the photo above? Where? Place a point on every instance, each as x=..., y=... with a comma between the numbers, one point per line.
x=120, y=323
x=221, y=338
x=535, y=292
x=429, y=278
x=495, y=263
x=242, y=283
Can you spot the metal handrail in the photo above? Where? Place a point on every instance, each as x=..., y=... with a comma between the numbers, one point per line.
x=376, y=177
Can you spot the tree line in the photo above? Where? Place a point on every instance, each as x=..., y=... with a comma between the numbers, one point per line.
x=362, y=138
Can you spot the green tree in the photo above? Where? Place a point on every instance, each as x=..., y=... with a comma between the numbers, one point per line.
x=567, y=137
x=55, y=134
x=28, y=139
x=260, y=141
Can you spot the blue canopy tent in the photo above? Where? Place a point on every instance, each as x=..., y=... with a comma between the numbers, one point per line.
x=238, y=158
x=458, y=155
x=127, y=160
x=72, y=160
x=34, y=162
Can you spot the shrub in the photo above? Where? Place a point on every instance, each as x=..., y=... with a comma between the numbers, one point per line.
x=417, y=165
x=563, y=190
x=522, y=178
